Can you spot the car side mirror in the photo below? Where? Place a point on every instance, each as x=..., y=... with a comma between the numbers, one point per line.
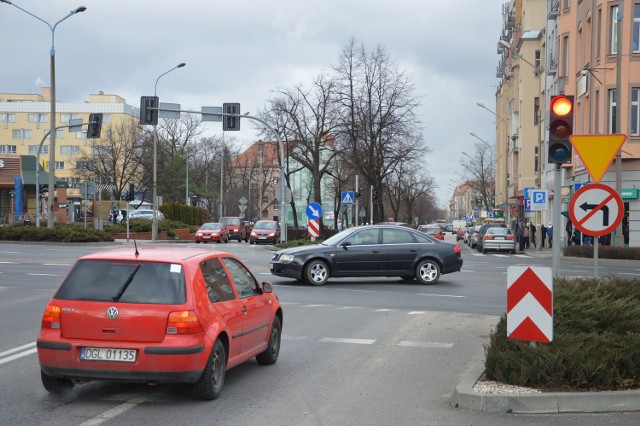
x=267, y=287
x=346, y=244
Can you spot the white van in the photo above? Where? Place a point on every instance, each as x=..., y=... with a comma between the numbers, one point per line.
x=457, y=224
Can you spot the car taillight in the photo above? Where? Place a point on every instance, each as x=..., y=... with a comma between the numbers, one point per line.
x=51, y=317
x=183, y=322
x=511, y=238
x=488, y=237
x=456, y=249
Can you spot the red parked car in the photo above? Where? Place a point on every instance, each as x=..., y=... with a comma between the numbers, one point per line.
x=460, y=233
x=157, y=315
x=432, y=230
x=212, y=232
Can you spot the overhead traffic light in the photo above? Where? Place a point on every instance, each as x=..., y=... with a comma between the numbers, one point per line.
x=376, y=194
x=230, y=122
x=560, y=129
x=95, y=125
x=149, y=110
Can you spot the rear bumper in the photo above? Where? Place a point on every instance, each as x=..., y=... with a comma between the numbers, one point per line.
x=154, y=363
x=498, y=245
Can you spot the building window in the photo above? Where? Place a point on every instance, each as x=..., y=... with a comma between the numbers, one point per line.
x=99, y=151
x=7, y=149
x=537, y=61
x=21, y=134
x=64, y=118
x=635, y=112
x=59, y=165
x=265, y=200
x=8, y=118
x=536, y=163
x=536, y=110
x=38, y=118
x=106, y=118
x=109, y=134
x=636, y=28
x=69, y=150
x=33, y=149
x=613, y=49
x=565, y=57
x=612, y=111
x=81, y=135
x=85, y=165
x=59, y=134
x=598, y=31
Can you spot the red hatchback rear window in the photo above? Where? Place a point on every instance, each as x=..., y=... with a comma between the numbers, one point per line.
x=124, y=282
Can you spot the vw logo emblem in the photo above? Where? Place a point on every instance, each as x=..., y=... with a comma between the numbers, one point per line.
x=112, y=313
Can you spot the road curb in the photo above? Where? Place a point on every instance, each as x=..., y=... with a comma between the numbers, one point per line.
x=540, y=403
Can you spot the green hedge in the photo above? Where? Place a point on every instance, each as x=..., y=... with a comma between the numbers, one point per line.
x=596, y=343
x=604, y=252
x=190, y=215
x=59, y=233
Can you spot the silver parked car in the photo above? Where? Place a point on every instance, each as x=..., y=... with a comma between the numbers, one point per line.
x=499, y=239
x=475, y=235
x=145, y=214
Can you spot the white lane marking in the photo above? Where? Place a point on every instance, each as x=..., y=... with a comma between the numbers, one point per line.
x=293, y=337
x=407, y=343
x=342, y=340
x=10, y=252
x=17, y=349
x=628, y=273
x=385, y=310
x=116, y=411
x=319, y=305
x=416, y=313
x=8, y=263
x=44, y=275
x=56, y=264
x=439, y=295
x=348, y=307
x=19, y=354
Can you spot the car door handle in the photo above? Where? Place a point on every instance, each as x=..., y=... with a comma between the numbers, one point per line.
x=376, y=251
x=413, y=251
x=245, y=310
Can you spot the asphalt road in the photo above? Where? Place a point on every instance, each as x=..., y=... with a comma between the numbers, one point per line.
x=358, y=352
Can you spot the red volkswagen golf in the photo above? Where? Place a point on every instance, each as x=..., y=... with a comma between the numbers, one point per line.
x=157, y=315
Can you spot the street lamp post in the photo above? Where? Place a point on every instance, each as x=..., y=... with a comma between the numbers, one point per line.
x=506, y=164
x=154, y=222
x=52, y=122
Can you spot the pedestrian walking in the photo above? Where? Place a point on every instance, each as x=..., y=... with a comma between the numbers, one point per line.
x=532, y=234
x=526, y=235
x=569, y=229
x=543, y=234
x=520, y=235
x=550, y=235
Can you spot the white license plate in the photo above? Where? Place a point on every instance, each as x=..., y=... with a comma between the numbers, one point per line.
x=499, y=238
x=206, y=237
x=262, y=238
x=108, y=354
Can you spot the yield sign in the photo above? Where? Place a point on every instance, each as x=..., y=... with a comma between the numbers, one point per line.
x=596, y=209
x=529, y=303
x=597, y=151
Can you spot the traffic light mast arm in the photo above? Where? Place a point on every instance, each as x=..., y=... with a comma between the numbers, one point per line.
x=44, y=138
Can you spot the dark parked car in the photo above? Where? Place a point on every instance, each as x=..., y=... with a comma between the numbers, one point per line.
x=370, y=251
x=483, y=230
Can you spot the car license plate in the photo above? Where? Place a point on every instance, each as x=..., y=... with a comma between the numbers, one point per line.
x=262, y=238
x=499, y=238
x=108, y=354
x=206, y=237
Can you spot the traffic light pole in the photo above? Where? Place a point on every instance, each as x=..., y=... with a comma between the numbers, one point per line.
x=556, y=231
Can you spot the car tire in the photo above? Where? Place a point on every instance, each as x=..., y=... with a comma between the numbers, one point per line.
x=484, y=251
x=316, y=272
x=197, y=242
x=55, y=385
x=428, y=272
x=513, y=252
x=270, y=355
x=209, y=385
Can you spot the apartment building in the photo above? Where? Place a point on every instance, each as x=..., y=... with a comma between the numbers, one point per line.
x=551, y=47
x=24, y=124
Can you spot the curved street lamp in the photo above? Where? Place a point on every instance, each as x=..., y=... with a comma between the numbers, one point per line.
x=154, y=222
x=506, y=163
x=52, y=134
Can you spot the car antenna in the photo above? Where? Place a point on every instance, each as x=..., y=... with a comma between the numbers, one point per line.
x=136, y=246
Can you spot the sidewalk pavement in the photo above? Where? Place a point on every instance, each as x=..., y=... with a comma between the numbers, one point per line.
x=540, y=403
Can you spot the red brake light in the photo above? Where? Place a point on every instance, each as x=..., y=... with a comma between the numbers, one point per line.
x=51, y=317
x=456, y=249
x=488, y=237
x=511, y=238
x=183, y=322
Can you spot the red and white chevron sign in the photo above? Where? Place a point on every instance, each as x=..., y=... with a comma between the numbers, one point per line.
x=530, y=303
x=313, y=228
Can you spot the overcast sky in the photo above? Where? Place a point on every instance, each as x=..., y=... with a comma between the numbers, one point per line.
x=240, y=51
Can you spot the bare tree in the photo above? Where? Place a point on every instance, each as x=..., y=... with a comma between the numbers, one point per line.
x=406, y=187
x=479, y=173
x=114, y=158
x=378, y=125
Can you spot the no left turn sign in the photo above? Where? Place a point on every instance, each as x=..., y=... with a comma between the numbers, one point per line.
x=596, y=209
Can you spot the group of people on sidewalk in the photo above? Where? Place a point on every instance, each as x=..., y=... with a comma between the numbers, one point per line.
x=526, y=235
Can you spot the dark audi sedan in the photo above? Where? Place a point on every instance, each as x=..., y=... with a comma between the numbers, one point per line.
x=370, y=251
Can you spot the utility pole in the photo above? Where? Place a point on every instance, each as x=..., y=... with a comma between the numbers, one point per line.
x=619, y=240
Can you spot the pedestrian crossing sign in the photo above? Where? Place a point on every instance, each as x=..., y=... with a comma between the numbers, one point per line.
x=347, y=198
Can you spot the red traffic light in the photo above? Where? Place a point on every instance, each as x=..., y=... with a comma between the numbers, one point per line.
x=561, y=106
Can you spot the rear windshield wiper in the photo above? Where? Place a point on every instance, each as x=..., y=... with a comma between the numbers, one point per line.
x=126, y=284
